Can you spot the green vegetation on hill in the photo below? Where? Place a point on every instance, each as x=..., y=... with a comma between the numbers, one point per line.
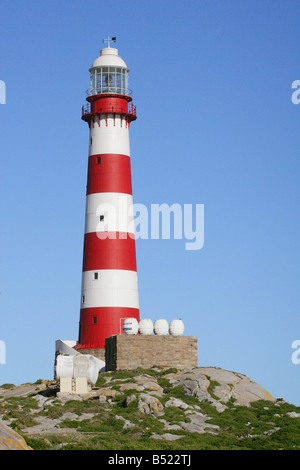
x=117, y=422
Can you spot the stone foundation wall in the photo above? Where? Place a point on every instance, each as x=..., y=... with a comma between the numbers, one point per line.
x=123, y=352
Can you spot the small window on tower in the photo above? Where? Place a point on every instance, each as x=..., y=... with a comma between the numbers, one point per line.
x=83, y=299
x=98, y=160
x=101, y=218
x=95, y=276
x=91, y=140
x=94, y=320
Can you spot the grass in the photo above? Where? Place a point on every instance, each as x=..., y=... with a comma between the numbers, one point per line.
x=175, y=415
x=254, y=426
x=212, y=385
x=7, y=386
x=26, y=403
x=73, y=406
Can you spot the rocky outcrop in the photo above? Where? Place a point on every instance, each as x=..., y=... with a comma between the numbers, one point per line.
x=160, y=393
x=10, y=440
x=218, y=386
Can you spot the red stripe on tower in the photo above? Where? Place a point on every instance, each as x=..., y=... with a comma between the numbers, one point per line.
x=109, y=292
x=115, y=251
x=109, y=174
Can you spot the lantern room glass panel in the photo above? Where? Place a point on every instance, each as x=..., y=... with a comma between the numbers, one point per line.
x=109, y=80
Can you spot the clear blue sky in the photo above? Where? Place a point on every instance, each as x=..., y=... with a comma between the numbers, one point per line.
x=216, y=126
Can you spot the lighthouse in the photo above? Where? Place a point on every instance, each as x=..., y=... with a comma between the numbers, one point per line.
x=109, y=292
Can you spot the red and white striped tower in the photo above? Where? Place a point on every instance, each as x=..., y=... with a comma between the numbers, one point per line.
x=109, y=291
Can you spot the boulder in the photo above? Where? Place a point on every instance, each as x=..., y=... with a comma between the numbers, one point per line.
x=148, y=383
x=177, y=403
x=198, y=423
x=130, y=399
x=149, y=404
x=11, y=440
x=127, y=424
x=132, y=386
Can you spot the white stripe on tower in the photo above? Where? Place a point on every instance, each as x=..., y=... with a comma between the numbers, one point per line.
x=110, y=136
x=113, y=288
x=112, y=212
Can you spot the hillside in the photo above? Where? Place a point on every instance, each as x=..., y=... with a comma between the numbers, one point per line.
x=156, y=409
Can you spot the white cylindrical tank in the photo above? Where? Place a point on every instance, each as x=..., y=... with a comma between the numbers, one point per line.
x=176, y=327
x=145, y=326
x=130, y=326
x=64, y=366
x=80, y=365
x=161, y=327
x=87, y=366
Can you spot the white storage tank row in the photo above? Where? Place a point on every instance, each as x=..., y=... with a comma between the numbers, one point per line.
x=146, y=327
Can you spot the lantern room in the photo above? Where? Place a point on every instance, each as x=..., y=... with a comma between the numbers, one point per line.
x=109, y=74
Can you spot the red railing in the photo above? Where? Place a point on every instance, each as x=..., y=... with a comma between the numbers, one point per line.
x=87, y=110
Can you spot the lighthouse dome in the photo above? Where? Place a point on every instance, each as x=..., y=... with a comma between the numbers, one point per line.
x=109, y=74
x=109, y=58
